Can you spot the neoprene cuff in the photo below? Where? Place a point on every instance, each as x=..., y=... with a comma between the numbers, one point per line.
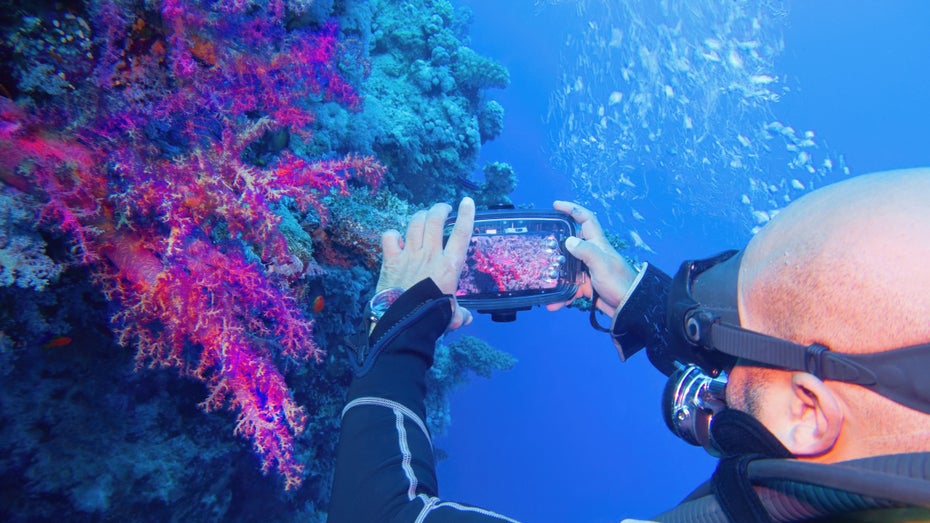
x=640, y=319
x=402, y=346
x=413, y=298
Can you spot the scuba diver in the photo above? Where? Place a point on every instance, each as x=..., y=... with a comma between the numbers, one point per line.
x=802, y=361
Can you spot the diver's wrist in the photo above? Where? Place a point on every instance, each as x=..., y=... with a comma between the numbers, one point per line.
x=380, y=303
x=631, y=289
x=640, y=320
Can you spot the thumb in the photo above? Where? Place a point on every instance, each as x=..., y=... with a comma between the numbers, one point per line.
x=585, y=251
x=460, y=317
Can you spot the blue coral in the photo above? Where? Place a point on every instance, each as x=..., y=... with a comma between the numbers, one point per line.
x=453, y=365
x=50, y=55
x=499, y=181
x=23, y=261
x=427, y=92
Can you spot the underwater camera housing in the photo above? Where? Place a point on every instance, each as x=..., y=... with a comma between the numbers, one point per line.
x=516, y=260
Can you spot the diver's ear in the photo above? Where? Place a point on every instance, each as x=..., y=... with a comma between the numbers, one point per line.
x=815, y=417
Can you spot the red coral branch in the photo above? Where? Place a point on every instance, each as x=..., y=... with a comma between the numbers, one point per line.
x=501, y=272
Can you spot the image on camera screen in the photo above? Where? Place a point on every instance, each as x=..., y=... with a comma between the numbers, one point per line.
x=517, y=263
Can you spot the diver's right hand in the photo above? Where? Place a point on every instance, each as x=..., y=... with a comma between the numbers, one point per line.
x=610, y=274
x=421, y=254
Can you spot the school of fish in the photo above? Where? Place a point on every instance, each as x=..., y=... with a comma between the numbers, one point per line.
x=669, y=101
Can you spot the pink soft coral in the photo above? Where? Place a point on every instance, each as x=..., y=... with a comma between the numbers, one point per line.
x=156, y=194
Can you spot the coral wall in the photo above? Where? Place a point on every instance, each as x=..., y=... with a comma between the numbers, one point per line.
x=192, y=195
x=428, y=93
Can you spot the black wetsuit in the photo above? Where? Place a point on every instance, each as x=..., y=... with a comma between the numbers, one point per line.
x=385, y=470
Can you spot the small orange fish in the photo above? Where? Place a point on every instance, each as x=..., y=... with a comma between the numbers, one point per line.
x=318, y=303
x=60, y=341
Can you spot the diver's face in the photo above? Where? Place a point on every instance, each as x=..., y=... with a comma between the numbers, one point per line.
x=736, y=387
x=747, y=387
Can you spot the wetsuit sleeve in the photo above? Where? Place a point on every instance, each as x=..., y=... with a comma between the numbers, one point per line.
x=385, y=470
x=640, y=320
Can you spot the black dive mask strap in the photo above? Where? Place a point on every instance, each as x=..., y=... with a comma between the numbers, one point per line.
x=898, y=374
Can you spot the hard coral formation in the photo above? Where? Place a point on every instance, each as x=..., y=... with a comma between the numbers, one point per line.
x=453, y=365
x=149, y=457
x=353, y=234
x=427, y=89
x=490, y=120
x=499, y=181
x=50, y=54
x=23, y=260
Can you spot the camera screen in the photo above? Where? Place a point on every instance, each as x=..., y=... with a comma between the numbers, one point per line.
x=513, y=258
x=511, y=263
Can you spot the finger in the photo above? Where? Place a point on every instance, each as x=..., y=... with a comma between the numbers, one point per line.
x=391, y=244
x=460, y=317
x=415, y=231
x=579, y=213
x=590, y=227
x=589, y=253
x=457, y=246
x=584, y=291
x=463, y=315
x=435, y=222
x=552, y=307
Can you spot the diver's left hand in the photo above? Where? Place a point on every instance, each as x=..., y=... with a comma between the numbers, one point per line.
x=421, y=254
x=610, y=274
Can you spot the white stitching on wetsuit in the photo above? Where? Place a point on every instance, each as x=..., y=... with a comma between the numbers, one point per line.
x=407, y=456
x=431, y=504
x=427, y=507
x=368, y=400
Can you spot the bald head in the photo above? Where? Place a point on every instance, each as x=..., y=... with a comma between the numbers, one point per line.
x=847, y=266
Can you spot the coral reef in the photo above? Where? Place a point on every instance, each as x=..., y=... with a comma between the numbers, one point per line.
x=453, y=364
x=53, y=51
x=499, y=181
x=150, y=453
x=194, y=179
x=183, y=252
x=427, y=92
x=23, y=261
x=490, y=120
x=353, y=233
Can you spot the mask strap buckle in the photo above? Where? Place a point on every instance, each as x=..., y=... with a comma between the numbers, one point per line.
x=813, y=359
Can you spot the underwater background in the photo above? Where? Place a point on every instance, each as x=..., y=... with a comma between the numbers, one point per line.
x=192, y=193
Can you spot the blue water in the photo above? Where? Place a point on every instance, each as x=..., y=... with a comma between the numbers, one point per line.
x=571, y=434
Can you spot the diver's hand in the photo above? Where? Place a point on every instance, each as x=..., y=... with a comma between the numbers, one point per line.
x=421, y=255
x=610, y=274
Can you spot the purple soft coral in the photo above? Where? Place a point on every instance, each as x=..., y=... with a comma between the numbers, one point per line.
x=157, y=194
